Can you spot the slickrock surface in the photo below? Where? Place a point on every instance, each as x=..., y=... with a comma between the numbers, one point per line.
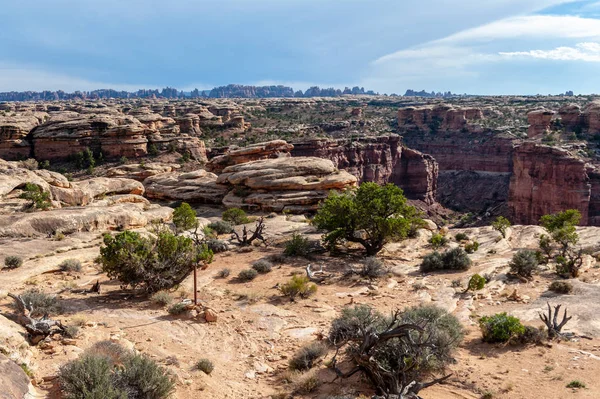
x=296, y=184
x=198, y=186
x=234, y=156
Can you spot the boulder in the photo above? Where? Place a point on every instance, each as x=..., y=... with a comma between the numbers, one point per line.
x=197, y=187
x=13, y=380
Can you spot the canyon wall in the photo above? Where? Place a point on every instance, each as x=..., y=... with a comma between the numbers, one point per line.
x=475, y=164
x=547, y=180
x=381, y=160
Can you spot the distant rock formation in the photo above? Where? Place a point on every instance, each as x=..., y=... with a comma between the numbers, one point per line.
x=539, y=122
x=440, y=117
x=381, y=160
x=423, y=93
x=254, y=152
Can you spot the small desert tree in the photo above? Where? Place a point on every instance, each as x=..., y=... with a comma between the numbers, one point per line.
x=371, y=216
x=154, y=263
x=184, y=217
x=561, y=228
x=501, y=224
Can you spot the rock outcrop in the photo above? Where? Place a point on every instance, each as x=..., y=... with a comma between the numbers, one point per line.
x=380, y=160
x=547, y=180
x=440, y=117
x=68, y=133
x=539, y=122
x=254, y=152
x=13, y=134
x=13, y=380
x=198, y=186
x=13, y=177
x=140, y=171
x=295, y=184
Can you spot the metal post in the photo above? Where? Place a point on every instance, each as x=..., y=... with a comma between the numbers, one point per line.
x=195, y=287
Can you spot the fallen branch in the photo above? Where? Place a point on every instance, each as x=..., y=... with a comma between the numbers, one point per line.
x=257, y=234
x=551, y=321
x=38, y=329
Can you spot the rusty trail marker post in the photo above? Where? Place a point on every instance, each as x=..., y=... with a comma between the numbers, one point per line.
x=195, y=286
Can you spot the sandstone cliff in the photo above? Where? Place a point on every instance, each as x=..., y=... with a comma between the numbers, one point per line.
x=547, y=180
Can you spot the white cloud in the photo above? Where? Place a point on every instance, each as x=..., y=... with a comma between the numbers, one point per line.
x=589, y=52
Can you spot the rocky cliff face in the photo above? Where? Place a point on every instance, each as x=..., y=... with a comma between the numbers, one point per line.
x=440, y=117
x=381, y=160
x=548, y=180
x=539, y=122
x=14, y=131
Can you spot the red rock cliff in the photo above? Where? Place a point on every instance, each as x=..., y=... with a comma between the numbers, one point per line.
x=547, y=180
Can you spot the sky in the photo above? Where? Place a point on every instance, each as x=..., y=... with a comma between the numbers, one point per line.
x=465, y=46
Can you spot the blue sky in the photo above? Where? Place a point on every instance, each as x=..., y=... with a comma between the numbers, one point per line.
x=473, y=46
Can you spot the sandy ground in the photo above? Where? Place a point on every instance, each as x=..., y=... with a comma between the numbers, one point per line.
x=258, y=330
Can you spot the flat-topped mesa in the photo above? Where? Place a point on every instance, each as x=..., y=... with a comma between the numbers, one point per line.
x=294, y=184
x=254, y=152
x=380, y=160
x=14, y=131
x=441, y=117
x=546, y=180
x=539, y=121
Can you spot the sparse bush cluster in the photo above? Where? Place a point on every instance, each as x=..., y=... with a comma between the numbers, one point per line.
x=437, y=241
x=297, y=246
x=41, y=303
x=561, y=287
x=501, y=328
x=461, y=237
x=224, y=273
x=380, y=345
x=247, y=275
x=221, y=227
x=70, y=265
x=205, y=365
x=372, y=268
x=453, y=259
x=476, y=283
x=306, y=357
x=524, y=263
x=298, y=286
x=262, y=266
x=109, y=371
x=471, y=247
x=13, y=262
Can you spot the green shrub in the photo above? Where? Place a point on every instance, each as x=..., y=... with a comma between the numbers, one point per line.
x=372, y=268
x=561, y=287
x=235, y=216
x=297, y=246
x=277, y=258
x=532, y=335
x=152, y=150
x=500, y=328
x=39, y=198
x=461, y=237
x=262, y=266
x=576, y=384
x=501, y=224
x=88, y=377
x=224, y=273
x=184, y=217
x=298, y=286
x=476, y=283
x=247, y=275
x=524, y=263
x=453, y=259
x=41, y=303
x=154, y=263
x=221, y=227
x=438, y=241
x=141, y=377
x=177, y=308
x=205, y=365
x=471, y=247
x=13, y=262
x=162, y=298
x=70, y=265
x=306, y=357
x=382, y=213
